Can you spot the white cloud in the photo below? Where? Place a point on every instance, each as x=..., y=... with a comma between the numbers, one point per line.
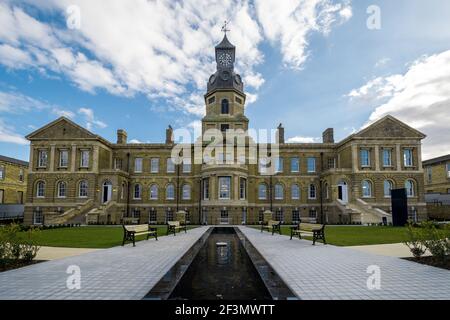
x=163, y=49
x=8, y=134
x=290, y=22
x=420, y=97
x=135, y=141
x=15, y=102
x=90, y=119
x=63, y=113
x=300, y=139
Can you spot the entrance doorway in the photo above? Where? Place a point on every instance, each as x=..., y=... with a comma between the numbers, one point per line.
x=107, y=191
x=343, y=191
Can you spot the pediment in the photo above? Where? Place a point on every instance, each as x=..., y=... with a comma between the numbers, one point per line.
x=389, y=127
x=61, y=128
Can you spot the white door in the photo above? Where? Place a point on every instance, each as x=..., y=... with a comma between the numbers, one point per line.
x=343, y=192
x=107, y=192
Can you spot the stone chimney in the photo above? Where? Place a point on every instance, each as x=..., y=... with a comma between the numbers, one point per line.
x=121, y=136
x=280, y=134
x=328, y=136
x=169, y=135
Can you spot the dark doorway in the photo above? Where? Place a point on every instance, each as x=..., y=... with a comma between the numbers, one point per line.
x=399, y=207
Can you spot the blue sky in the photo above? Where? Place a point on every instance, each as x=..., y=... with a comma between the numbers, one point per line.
x=309, y=64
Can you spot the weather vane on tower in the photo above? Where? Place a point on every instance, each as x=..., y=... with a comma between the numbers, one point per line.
x=224, y=27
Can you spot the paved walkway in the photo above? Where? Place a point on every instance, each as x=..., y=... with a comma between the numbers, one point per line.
x=116, y=273
x=329, y=272
x=52, y=253
x=398, y=250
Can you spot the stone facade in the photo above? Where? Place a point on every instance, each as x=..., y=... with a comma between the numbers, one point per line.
x=437, y=175
x=13, y=180
x=74, y=172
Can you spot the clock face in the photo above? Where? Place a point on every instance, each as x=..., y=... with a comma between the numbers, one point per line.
x=225, y=59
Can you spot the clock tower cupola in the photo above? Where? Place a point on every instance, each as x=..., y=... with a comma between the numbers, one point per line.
x=225, y=97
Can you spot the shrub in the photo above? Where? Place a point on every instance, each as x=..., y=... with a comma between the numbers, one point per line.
x=415, y=241
x=436, y=242
x=13, y=248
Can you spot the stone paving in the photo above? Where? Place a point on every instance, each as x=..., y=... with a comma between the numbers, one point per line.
x=116, y=273
x=330, y=272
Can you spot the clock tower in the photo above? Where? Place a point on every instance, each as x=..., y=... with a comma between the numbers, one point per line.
x=225, y=97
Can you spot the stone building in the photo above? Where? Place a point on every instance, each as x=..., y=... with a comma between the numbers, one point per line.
x=13, y=180
x=437, y=187
x=74, y=172
x=437, y=175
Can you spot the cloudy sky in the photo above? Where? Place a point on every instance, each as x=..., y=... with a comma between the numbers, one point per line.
x=141, y=65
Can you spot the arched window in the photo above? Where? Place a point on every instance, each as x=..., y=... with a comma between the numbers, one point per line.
x=62, y=189
x=153, y=192
x=366, y=189
x=388, y=186
x=186, y=192
x=40, y=189
x=170, y=192
x=409, y=186
x=83, y=189
x=137, y=191
x=279, y=191
x=312, y=191
x=262, y=191
x=225, y=107
x=295, y=192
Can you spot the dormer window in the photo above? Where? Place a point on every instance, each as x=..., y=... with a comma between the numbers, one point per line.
x=225, y=107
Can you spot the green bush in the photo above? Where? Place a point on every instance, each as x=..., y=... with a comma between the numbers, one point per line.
x=435, y=240
x=13, y=249
x=415, y=241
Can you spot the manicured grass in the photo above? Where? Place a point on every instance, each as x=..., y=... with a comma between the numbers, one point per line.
x=87, y=237
x=359, y=235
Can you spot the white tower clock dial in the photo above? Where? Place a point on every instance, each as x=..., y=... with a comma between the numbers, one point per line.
x=225, y=59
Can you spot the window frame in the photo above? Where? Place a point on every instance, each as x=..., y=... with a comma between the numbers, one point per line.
x=310, y=190
x=409, y=151
x=38, y=184
x=183, y=190
x=370, y=188
x=313, y=159
x=389, y=152
x=154, y=162
x=42, y=158
x=226, y=178
x=58, y=189
x=84, y=153
x=140, y=161
x=80, y=184
x=170, y=186
x=276, y=195
x=137, y=188
x=265, y=191
x=61, y=158
x=361, y=158
x=152, y=195
x=297, y=188
x=298, y=164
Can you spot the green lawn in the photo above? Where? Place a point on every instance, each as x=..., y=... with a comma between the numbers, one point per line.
x=359, y=235
x=87, y=237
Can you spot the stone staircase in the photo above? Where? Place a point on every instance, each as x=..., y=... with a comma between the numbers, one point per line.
x=72, y=215
x=362, y=212
x=369, y=214
x=98, y=214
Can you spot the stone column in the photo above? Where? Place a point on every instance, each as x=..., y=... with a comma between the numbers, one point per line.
x=73, y=159
x=32, y=164
x=419, y=157
x=398, y=156
x=52, y=158
x=95, y=160
x=377, y=158
x=355, y=158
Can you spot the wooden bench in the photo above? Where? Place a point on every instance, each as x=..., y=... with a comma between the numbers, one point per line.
x=131, y=231
x=174, y=226
x=315, y=230
x=271, y=225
